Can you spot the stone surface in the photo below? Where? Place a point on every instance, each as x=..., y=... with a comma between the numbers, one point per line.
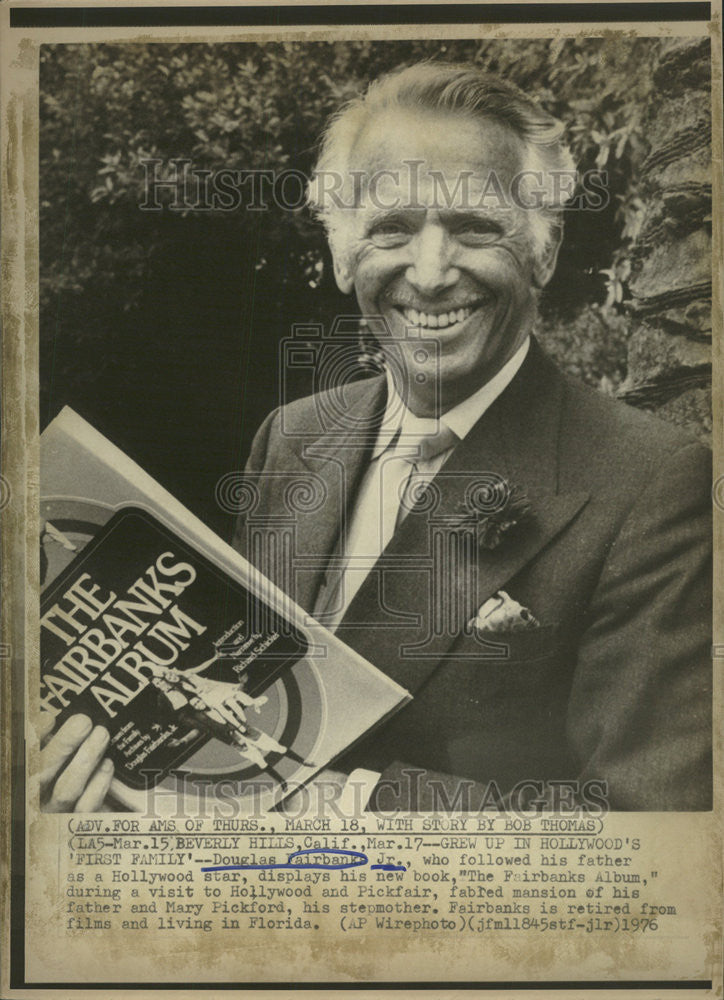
x=691, y=410
x=692, y=320
x=669, y=349
x=693, y=166
x=677, y=265
x=680, y=125
x=683, y=63
x=653, y=352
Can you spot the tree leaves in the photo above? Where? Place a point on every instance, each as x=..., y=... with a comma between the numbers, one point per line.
x=108, y=109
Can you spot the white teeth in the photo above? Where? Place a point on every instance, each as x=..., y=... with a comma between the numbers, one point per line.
x=436, y=322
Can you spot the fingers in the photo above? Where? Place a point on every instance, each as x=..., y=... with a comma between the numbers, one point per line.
x=71, y=784
x=46, y=721
x=62, y=746
x=97, y=788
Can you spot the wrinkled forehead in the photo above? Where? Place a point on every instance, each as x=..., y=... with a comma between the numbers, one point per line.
x=436, y=159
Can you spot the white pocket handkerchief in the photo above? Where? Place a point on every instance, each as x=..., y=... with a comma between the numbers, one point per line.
x=501, y=613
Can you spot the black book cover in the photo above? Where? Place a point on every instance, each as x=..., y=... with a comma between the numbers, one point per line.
x=138, y=605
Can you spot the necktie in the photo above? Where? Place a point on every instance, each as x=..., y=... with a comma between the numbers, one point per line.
x=416, y=451
x=394, y=480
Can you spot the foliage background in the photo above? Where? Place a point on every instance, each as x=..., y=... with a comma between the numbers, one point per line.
x=162, y=328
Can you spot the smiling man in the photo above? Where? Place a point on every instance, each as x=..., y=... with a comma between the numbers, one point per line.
x=441, y=242
x=528, y=558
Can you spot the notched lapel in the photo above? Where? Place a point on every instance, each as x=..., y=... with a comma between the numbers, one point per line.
x=336, y=463
x=427, y=571
x=442, y=602
x=550, y=516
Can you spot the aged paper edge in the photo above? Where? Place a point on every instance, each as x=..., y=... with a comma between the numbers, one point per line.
x=19, y=538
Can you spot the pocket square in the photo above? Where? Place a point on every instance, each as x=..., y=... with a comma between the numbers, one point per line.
x=501, y=613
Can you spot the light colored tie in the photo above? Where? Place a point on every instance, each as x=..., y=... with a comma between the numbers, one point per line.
x=398, y=479
x=415, y=451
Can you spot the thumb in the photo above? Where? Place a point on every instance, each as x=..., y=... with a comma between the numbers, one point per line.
x=62, y=745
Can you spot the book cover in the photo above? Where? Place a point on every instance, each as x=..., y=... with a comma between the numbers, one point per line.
x=211, y=682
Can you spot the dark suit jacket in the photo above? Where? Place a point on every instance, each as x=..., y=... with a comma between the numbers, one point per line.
x=614, y=685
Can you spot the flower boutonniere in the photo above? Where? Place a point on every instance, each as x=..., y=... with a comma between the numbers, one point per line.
x=492, y=507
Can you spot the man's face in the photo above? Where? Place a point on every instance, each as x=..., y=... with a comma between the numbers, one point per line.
x=451, y=273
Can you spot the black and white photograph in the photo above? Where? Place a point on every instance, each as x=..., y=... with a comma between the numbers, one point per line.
x=424, y=331
x=369, y=495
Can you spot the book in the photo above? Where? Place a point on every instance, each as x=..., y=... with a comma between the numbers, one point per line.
x=212, y=683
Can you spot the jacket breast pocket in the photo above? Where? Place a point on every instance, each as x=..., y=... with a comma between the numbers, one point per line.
x=502, y=648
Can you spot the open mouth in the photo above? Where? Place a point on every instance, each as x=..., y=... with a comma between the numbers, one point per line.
x=437, y=320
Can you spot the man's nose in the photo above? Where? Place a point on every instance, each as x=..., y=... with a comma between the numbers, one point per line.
x=432, y=269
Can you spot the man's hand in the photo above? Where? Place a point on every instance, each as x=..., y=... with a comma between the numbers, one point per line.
x=73, y=775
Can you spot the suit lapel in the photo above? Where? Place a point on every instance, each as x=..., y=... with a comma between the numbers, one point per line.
x=429, y=581
x=336, y=462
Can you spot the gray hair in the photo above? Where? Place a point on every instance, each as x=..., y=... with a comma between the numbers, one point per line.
x=440, y=86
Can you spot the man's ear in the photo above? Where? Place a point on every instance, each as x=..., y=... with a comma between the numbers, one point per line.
x=342, y=275
x=545, y=265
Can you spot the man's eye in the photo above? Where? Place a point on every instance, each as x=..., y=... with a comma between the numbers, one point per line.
x=478, y=231
x=389, y=234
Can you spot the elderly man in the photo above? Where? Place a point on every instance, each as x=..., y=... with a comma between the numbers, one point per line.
x=528, y=558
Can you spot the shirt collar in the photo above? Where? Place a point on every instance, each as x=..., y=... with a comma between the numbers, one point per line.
x=398, y=420
x=463, y=417
x=460, y=419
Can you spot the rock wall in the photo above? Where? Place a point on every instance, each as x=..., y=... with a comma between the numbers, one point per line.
x=669, y=351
